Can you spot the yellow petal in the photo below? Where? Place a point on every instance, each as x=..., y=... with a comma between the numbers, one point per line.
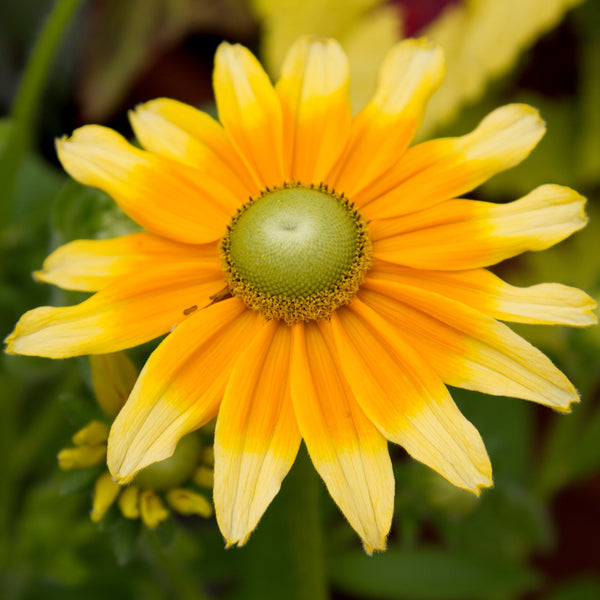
x=410, y=73
x=347, y=450
x=113, y=377
x=131, y=311
x=92, y=434
x=90, y=265
x=187, y=502
x=365, y=29
x=250, y=112
x=152, y=510
x=105, y=493
x=406, y=399
x=180, y=387
x=164, y=196
x=482, y=39
x=257, y=438
x=313, y=89
x=465, y=234
x=129, y=502
x=446, y=168
x=81, y=457
x=466, y=347
x=181, y=132
x=550, y=303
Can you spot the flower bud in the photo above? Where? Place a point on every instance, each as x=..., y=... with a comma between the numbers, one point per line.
x=113, y=377
x=105, y=493
x=129, y=502
x=173, y=471
x=92, y=434
x=187, y=502
x=81, y=457
x=152, y=509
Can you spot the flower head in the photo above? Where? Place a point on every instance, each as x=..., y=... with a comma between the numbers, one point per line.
x=174, y=483
x=318, y=280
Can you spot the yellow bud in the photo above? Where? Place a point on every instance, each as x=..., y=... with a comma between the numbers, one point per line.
x=152, y=509
x=81, y=457
x=187, y=502
x=105, y=492
x=204, y=476
x=129, y=502
x=92, y=434
x=113, y=376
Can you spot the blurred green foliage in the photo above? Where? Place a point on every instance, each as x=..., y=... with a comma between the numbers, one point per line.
x=444, y=544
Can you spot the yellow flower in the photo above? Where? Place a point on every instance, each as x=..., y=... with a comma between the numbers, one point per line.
x=160, y=481
x=481, y=39
x=360, y=249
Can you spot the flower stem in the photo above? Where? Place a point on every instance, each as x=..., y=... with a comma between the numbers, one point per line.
x=27, y=100
x=284, y=556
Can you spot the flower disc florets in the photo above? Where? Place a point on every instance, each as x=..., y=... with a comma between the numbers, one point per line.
x=296, y=252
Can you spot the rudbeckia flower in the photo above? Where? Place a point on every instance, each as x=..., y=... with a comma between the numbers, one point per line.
x=317, y=279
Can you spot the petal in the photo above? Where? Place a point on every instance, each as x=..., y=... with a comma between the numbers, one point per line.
x=152, y=509
x=467, y=348
x=180, y=387
x=405, y=398
x=347, y=450
x=90, y=265
x=105, y=493
x=465, y=234
x=129, y=312
x=482, y=40
x=249, y=110
x=186, y=502
x=549, y=303
x=164, y=196
x=446, y=168
x=181, y=132
x=410, y=73
x=257, y=438
x=313, y=90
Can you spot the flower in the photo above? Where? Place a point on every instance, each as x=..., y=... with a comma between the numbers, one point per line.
x=317, y=278
x=481, y=38
x=174, y=481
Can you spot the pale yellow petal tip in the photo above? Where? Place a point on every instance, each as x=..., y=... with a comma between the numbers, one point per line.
x=480, y=487
x=8, y=343
x=121, y=479
x=239, y=542
x=40, y=276
x=567, y=407
x=380, y=546
x=483, y=480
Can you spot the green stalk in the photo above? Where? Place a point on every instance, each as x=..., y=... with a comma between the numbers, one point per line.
x=27, y=101
x=284, y=556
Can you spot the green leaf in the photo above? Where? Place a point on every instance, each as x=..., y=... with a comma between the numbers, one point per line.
x=585, y=451
x=515, y=523
x=506, y=426
x=124, y=536
x=428, y=574
x=81, y=410
x=582, y=588
x=79, y=480
x=84, y=212
x=588, y=22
